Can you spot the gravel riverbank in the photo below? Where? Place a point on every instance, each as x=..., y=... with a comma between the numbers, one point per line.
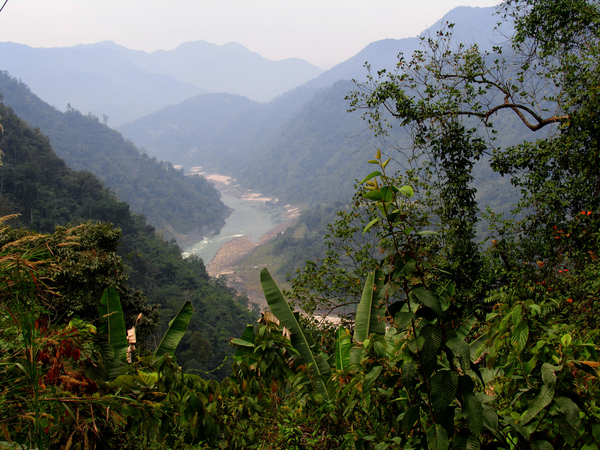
x=226, y=259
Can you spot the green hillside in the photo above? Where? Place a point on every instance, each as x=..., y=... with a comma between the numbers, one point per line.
x=46, y=193
x=170, y=201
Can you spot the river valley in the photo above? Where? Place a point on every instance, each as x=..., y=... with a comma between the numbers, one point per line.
x=253, y=221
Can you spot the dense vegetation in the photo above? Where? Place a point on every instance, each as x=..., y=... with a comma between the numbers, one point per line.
x=171, y=201
x=452, y=345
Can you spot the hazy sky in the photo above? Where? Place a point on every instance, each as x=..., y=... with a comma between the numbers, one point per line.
x=322, y=32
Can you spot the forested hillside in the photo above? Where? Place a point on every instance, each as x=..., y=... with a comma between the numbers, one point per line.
x=314, y=147
x=46, y=193
x=170, y=201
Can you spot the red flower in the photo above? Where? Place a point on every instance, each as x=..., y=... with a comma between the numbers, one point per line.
x=569, y=300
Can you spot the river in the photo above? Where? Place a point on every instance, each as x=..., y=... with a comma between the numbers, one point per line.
x=252, y=218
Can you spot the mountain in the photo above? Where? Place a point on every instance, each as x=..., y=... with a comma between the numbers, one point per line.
x=302, y=143
x=171, y=201
x=96, y=80
x=215, y=131
x=230, y=68
x=123, y=84
x=471, y=25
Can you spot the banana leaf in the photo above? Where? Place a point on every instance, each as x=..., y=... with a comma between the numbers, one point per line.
x=369, y=314
x=244, y=346
x=343, y=344
x=177, y=328
x=301, y=340
x=110, y=309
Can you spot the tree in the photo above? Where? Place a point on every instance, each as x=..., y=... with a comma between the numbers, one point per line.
x=448, y=98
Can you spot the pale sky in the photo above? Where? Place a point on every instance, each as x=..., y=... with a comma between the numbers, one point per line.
x=323, y=32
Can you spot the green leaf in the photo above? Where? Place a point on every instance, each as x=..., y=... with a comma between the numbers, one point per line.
x=443, y=389
x=549, y=373
x=415, y=345
x=490, y=418
x=570, y=410
x=437, y=438
x=300, y=339
x=410, y=417
x=535, y=307
x=407, y=269
x=371, y=377
x=112, y=311
x=248, y=334
x=520, y=335
x=395, y=308
x=433, y=340
x=427, y=233
x=403, y=319
x=244, y=349
x=407, y=191
x=375, y=195
x=370, y=224
x=541, y=445
x=539, y=402
x=343, y=344
x=177, y=328
x=385, y=163
x=369, y=313
x=371, y=175
x=386, y=194
x=477, y=345
x=472, y=410
x=469, y=442
x=466, y=327
x=461, y=350
x=409, y=374
x=242, y=343
x=428, y=298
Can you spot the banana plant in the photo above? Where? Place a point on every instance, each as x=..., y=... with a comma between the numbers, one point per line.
x=301, y=340
x=343, y=346
x=111, y=310
x=177, y=328
x=369, y=314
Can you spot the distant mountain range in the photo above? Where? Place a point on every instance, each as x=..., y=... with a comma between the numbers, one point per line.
x=302, y=143
x=123, y=84
x=301, y=146
x=107, y=79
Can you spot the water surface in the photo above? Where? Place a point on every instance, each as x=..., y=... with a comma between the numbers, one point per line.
x=249, y=218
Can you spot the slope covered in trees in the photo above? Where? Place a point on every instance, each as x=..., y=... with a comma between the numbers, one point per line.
x=171, y=201
x=45, y=192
